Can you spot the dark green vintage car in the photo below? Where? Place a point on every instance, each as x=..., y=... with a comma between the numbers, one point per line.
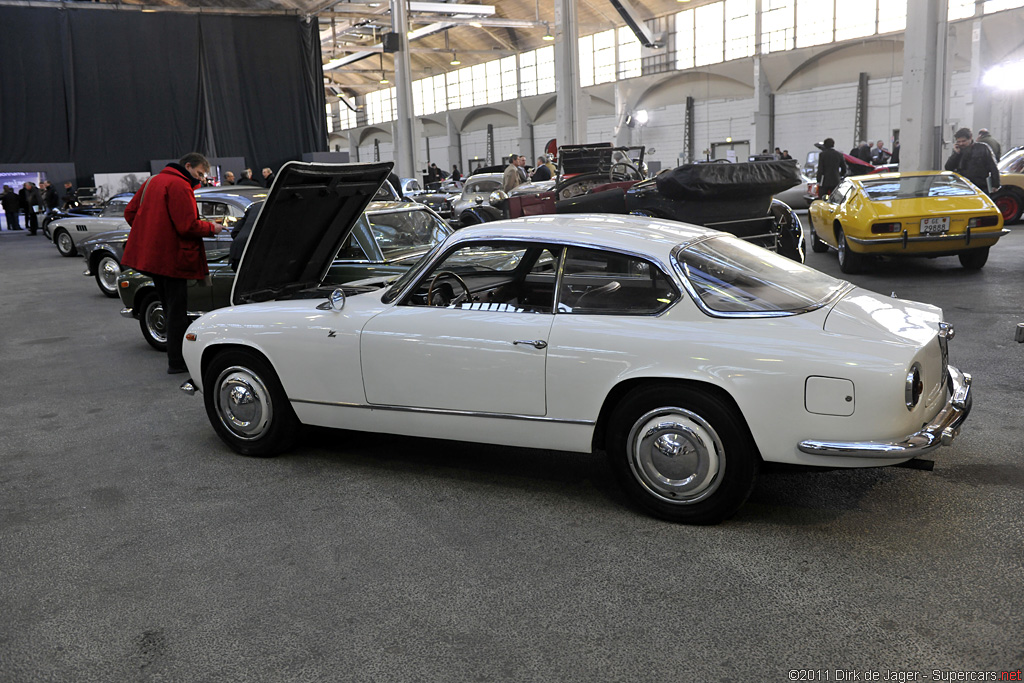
x=387, y=240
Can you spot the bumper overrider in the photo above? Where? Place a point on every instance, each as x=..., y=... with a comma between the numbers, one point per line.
x=939, y=432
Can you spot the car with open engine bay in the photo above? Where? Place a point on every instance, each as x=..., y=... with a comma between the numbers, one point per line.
x=685, y=355
x=103, y=251
x=388, y=239
x=926, y=214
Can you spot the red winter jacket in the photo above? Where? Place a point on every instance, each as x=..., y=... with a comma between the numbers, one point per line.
x=167, y=236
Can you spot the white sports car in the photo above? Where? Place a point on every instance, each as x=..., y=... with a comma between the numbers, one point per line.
x=685, y=354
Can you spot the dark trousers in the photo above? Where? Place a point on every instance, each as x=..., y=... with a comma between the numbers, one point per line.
x=173, y=293
x=12, y=220
x=30, y=221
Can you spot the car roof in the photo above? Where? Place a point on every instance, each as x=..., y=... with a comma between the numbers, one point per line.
x=406, y=205
x=634, y=234
x=485, y=176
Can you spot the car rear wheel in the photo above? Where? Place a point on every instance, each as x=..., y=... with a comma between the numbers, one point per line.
x=106, y=271
x=681, y=454
x=247, y=405
x=850, y=262
x=1010, y=202
x=65, y=245
x=152, y=321
x=974, y=259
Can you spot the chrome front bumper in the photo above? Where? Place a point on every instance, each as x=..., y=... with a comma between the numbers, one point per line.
x=127, y=313
x=939, y=432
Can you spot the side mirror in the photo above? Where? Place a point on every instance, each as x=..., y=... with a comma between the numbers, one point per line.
x=335, y=302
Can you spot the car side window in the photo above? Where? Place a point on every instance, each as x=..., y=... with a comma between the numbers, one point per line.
x=492, y=276
x=351, y=251
x=840, y=193
x=114, y=210
x=599, y=282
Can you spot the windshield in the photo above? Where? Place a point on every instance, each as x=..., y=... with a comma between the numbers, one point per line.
x=399, y=232
x=916, y=187
x=1013, y=162
x=729, y=275
x=483, y=186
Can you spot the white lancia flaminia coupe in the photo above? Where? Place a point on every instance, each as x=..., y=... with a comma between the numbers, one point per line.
x=686, y=355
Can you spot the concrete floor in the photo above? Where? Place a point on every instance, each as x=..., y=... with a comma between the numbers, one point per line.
x=134, y=546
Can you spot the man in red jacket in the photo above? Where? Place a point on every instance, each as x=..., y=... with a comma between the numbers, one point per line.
x=166, y=242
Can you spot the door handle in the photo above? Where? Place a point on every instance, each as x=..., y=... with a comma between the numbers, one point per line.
x=535, y=343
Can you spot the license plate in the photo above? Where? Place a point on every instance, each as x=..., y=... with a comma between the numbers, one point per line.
x=934, y=226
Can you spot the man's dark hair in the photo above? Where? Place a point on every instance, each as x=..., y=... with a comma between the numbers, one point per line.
x=828, y=142
x=963, y=133
x=195, y=160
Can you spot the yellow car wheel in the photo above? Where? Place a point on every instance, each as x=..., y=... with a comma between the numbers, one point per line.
x=849, y=261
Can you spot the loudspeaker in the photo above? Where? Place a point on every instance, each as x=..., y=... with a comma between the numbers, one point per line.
x=392, y=42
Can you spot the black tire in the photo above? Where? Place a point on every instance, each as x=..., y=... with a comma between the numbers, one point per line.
x=850, y=262
x=106, y=271
x=152, y=320
x=1010, y=202
x=711, y=473
x=818, y=245
x=974, y=259
x=469, y=218
x=247, y=405
x=65, y=245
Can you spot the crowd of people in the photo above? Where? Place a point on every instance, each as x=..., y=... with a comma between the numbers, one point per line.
x=245, y=179
x=31, y=201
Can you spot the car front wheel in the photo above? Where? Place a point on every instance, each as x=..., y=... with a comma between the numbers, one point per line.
x=106, y=271
x=849, y=261
x=152, y=321
x=247, y=405
x=65, y=245
x=681, y=454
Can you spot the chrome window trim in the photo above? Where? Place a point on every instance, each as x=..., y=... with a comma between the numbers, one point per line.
x=444, y=411
x=837, y=294
x=428, y=263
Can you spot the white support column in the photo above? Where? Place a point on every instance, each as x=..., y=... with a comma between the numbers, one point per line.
x=762, y=109
x=525, y=133
x=981, y=95
x=353, y=145
x=924, y=65
x=570, y=107
x=454, y=145
x=406, y=139
x=622, y=133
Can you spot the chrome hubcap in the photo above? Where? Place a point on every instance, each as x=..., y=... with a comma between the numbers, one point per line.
x=676, y=455
x=243, y=403
x=156, y=322
x=109, y=270
x=64, y=242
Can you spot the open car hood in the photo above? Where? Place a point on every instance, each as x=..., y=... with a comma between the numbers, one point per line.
x=310, y=210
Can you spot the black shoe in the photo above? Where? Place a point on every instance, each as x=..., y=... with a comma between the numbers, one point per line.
x=176, y=371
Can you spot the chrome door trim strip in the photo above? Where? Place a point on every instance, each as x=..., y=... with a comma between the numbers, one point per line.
x=444, y=411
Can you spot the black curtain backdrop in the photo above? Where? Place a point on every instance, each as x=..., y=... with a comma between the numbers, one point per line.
x=110, y=90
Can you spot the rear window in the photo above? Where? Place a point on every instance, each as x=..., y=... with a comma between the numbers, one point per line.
x=731, y=276
x=916, y=187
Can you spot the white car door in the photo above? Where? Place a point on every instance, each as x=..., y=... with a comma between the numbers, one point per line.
x=485, y=355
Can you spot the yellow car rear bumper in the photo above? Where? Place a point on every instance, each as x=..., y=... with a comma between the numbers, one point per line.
x=905, y=243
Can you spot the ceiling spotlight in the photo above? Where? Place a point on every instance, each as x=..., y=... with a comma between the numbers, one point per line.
x=547, y=35
x=455, y=60
x=383, y=80
x=476, y=24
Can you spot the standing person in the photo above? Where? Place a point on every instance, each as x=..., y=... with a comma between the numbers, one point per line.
x=785, y=155
x=974, y=161
x=247, y=179
x=986, y=137
x=31, y=202
x=456, y=173
x=11, y=204
x=521, y=166
x=511, y=179
x=268, y=177
x=70, y=200
x=166, y=242
x=831, y=168
x=50, y=199
x=778, y=153
x=229, y=178
x=880, y=155
x=541, y=171
x=895, y=158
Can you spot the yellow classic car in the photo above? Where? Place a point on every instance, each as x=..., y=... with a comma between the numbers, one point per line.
x=929, y=214
x=1010, y=196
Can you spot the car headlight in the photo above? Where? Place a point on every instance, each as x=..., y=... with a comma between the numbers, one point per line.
x=914, y=387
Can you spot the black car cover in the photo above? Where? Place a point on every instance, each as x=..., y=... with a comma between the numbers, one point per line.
x=725, y=181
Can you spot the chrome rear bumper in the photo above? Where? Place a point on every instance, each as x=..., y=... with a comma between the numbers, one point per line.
x=939, y=432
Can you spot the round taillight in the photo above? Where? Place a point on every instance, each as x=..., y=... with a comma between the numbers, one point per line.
x=914, y=387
